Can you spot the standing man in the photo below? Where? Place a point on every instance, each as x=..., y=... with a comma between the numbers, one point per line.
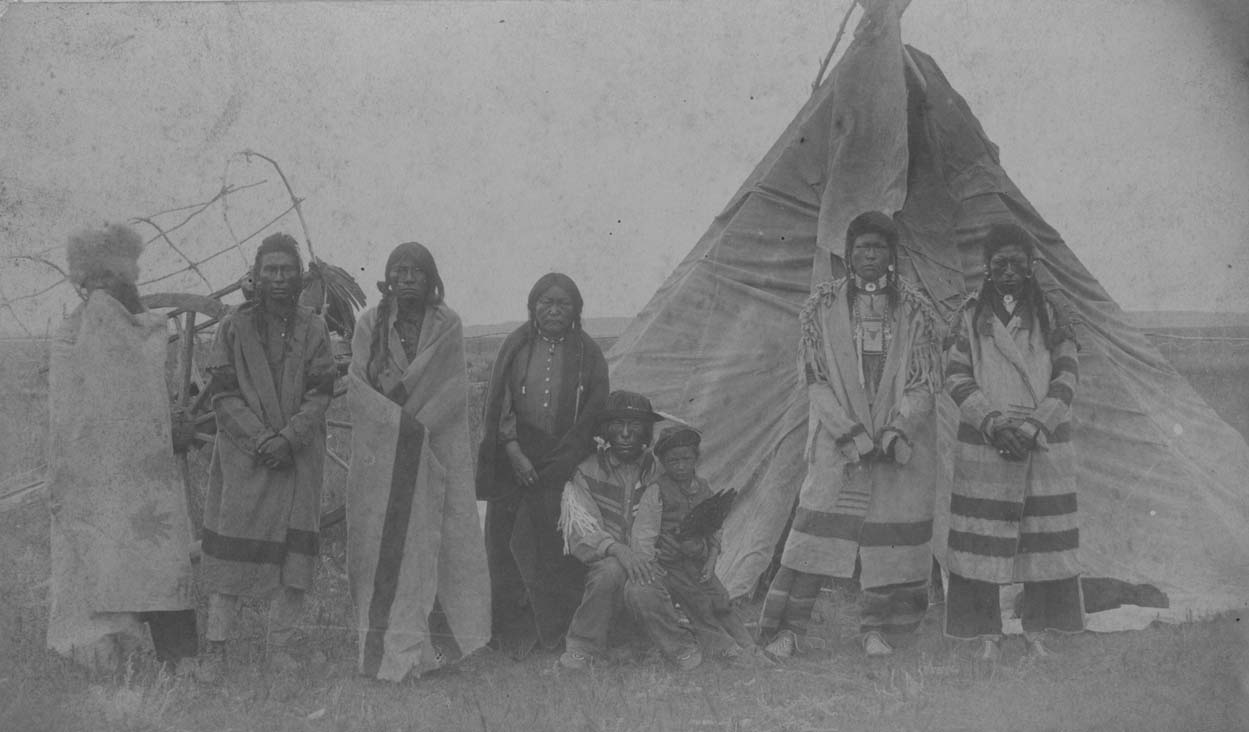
x=1013, y=373
x=871, y=363
x=415, y=556
x=611, y=519
x=548, y=383
x=273, y=379
x=120, y=533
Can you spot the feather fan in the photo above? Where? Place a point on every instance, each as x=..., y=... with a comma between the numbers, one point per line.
x=707, y=517
x=333, y=293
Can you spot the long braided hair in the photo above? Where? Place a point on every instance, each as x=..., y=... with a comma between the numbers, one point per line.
x=379, y=346
x=1031, y=297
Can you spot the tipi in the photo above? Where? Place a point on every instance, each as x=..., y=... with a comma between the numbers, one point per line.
x=1162, y=478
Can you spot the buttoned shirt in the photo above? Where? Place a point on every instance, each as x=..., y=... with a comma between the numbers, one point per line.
x=532, y=391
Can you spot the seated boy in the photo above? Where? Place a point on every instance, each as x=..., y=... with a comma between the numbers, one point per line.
x=690, y=563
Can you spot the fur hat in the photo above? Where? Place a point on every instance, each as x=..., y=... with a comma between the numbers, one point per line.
x=114, y=249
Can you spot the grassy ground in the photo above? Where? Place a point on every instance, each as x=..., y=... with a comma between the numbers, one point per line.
x=1189, y=677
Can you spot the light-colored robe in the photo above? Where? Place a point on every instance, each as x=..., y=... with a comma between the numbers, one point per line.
x=120, y=532
x=413, y=532
x=879, y=510
x=1012, y=521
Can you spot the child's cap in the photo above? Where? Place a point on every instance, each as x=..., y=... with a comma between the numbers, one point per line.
x=677, y=436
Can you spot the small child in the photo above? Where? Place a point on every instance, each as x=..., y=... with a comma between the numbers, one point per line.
x=690, y=564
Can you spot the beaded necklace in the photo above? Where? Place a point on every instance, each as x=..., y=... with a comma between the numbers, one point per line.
x=872, y=334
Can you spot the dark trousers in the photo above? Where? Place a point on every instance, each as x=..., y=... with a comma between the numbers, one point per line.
x=972, y=608
x=173, y=633
x=607, y=591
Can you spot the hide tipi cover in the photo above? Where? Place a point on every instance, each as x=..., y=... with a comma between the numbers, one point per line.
x=1162, y=478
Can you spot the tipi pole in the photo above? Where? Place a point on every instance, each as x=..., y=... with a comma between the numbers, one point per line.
x=841, y=30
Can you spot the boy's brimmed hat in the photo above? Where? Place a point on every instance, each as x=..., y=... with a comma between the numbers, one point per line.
x=677, y=436
x=627, y=405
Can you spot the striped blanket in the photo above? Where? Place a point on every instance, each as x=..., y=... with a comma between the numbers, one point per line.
x=874, y=509
x=261, y=530
x=416, y=560
x=1012, y=521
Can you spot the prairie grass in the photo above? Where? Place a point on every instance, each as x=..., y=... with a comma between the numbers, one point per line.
x=1180, y=677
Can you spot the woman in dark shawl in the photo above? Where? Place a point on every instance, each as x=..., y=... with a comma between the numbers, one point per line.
x=548, y=377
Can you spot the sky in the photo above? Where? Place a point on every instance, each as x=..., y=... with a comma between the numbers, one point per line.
x=595, y=138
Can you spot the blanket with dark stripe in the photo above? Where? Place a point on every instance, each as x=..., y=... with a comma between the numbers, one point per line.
x=870, y=508
x=1012, y=521
x=416, y=560
x=261, y=525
